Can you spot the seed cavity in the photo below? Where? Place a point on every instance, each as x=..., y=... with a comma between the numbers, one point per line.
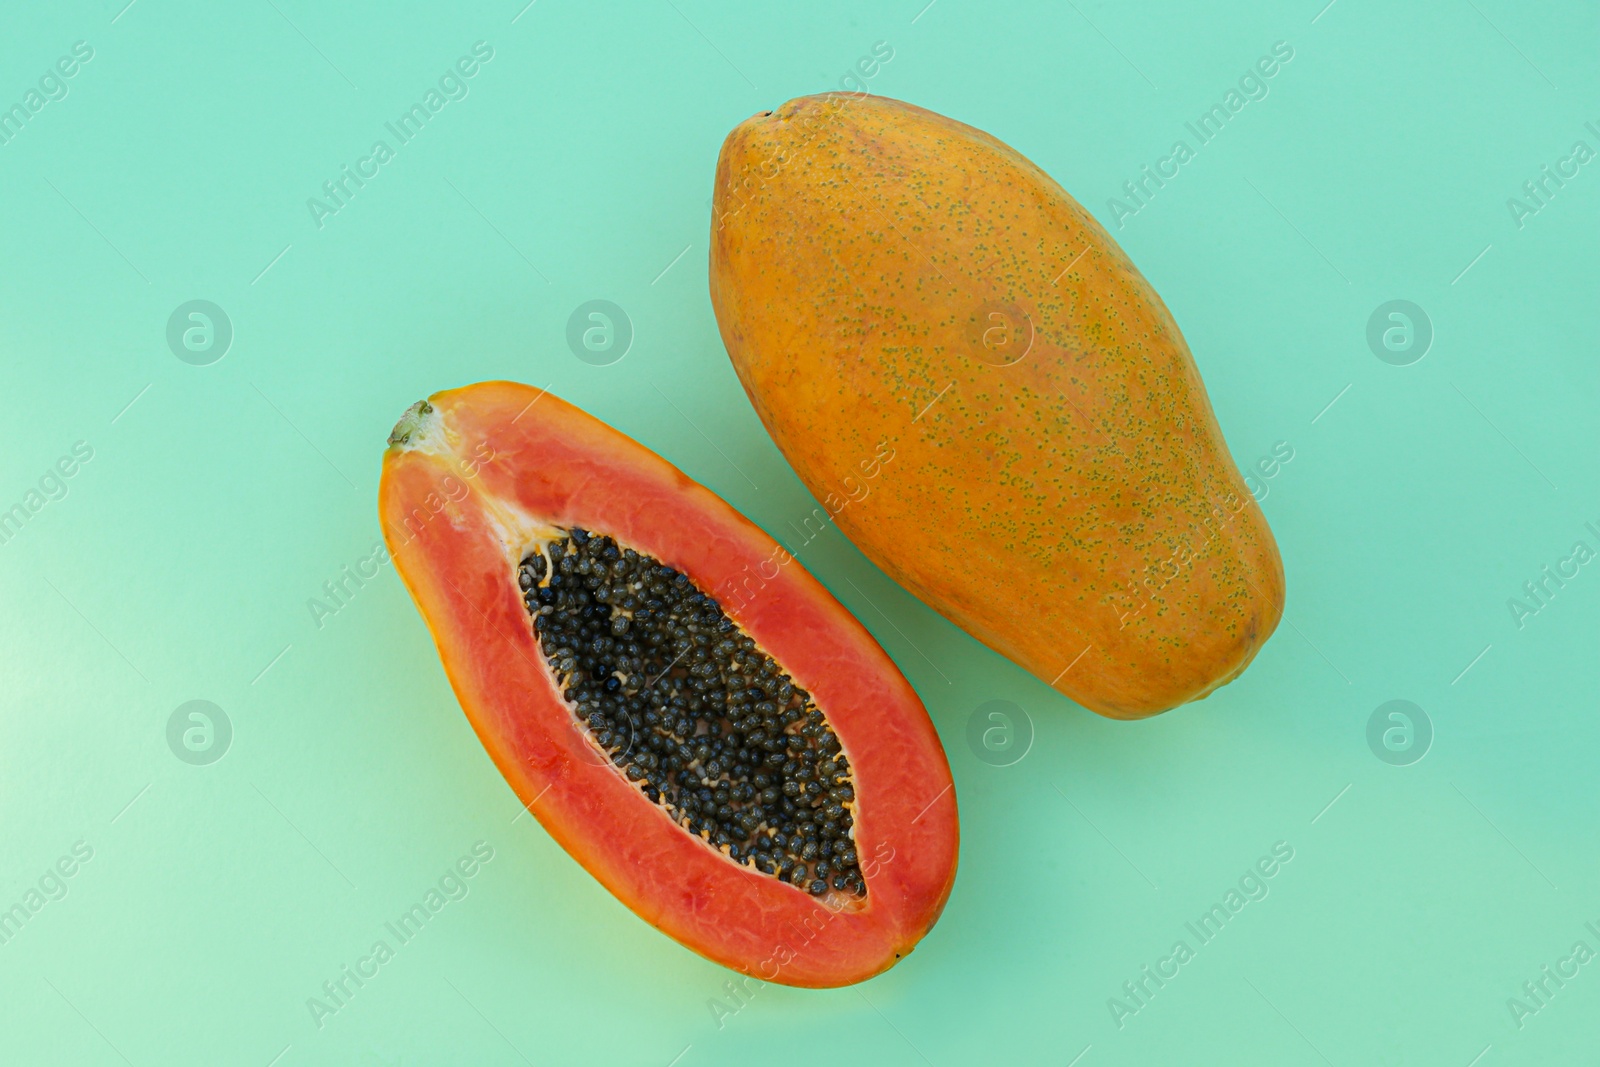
x=692, y=713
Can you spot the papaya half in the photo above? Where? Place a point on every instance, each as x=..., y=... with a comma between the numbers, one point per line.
x=1061, y=489
x=685, y=709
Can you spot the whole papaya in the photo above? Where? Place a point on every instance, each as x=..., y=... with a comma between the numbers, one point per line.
x=989, y=399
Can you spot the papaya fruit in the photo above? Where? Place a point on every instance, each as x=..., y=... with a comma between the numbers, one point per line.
x=1062, y=490
x=685, y=709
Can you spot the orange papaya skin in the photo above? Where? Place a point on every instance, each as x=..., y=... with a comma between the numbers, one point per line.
x=472, y=476
x=1061, y=489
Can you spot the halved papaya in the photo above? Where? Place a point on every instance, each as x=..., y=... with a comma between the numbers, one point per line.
x=686, y=710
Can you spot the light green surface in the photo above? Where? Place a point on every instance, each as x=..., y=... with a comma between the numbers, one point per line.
x=179, y=564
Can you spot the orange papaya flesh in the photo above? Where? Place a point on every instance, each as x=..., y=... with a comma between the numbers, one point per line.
x=1061, y=488
x=479, y=486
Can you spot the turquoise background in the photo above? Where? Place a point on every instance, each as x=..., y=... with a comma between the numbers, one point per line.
x=220, y=498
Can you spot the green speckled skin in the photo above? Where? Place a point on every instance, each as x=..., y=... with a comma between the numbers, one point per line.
x=892, y=283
